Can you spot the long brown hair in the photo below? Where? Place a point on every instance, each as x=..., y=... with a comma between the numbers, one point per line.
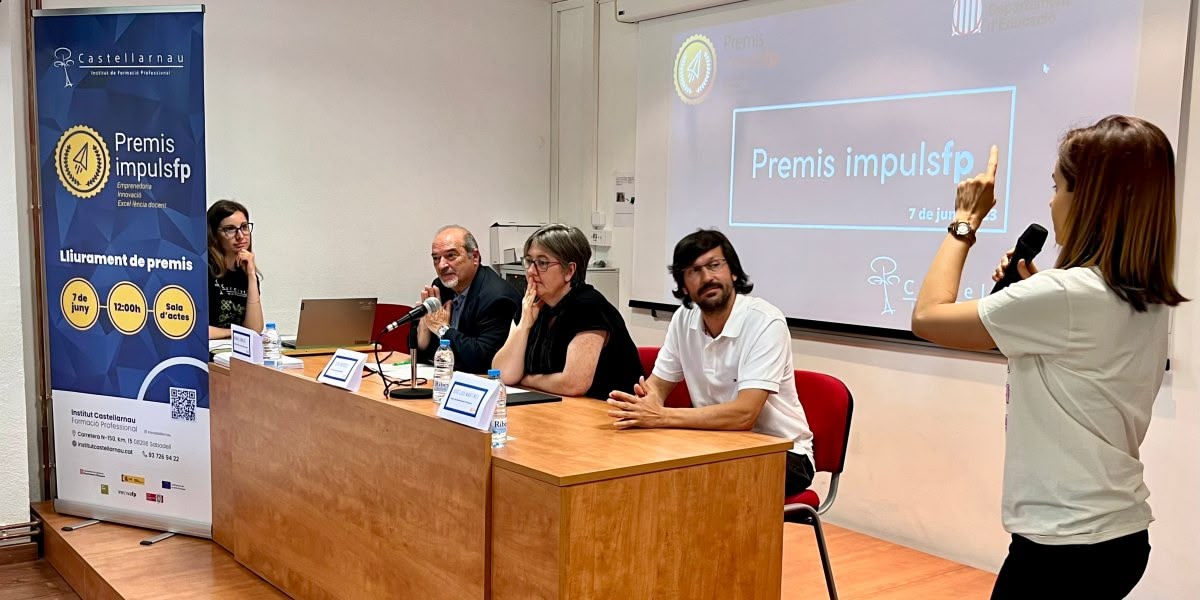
x=1122, y=216
x=219, y=211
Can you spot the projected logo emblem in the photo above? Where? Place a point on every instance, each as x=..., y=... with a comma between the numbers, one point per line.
x=884, y=269
x=968, y=17
x=81, y=161
x=695, y=69
x=62, y=58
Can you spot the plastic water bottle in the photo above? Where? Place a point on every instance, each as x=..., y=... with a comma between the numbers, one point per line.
x=443, y=371
x=272, y=352
x=500, y=417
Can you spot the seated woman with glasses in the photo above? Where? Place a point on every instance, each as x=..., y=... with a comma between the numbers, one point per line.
x=232, y=275
x=569, y=340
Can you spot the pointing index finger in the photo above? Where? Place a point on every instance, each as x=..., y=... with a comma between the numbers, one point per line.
x=993, y=162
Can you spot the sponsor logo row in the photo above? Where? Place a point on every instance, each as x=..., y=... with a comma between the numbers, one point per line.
x=150, y=496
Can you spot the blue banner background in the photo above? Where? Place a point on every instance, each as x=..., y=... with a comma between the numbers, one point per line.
x=140, y=75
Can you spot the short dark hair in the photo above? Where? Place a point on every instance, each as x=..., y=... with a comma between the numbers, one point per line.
x=695, y=244
x=566, y=243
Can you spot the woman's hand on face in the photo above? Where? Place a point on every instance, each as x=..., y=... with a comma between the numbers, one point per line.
x=531, y=305
x=1026, y=269
x=977, y=196
x=245, y=259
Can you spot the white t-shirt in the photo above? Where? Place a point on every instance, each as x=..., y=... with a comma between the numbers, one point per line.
x=753, y=351
x=1083, y=371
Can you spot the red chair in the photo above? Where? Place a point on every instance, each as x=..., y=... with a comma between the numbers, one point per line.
x=678, y=398
x=396, y=341
x=828, y=405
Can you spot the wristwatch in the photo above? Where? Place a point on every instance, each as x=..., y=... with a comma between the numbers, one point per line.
x=442, y=331
x=963, y=231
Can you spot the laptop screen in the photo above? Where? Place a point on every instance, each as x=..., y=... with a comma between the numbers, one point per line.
x=335, y=322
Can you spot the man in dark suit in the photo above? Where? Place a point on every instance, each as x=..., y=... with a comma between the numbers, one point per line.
x=477, y=305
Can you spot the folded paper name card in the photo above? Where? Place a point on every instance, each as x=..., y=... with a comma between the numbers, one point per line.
x=344, y=370
x=470, y=401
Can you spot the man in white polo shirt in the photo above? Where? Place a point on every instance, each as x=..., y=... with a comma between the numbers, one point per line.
x=734, y=352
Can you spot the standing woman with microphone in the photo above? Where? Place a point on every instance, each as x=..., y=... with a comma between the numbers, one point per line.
x=233, y=294
x=1086, y=344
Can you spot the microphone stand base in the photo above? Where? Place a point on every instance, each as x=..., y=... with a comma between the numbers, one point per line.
x=411, y=393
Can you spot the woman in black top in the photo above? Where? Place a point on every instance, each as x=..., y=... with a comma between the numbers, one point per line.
x=232, y=275
x=570, y=340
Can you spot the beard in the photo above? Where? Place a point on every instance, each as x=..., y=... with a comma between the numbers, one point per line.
x=716, y=302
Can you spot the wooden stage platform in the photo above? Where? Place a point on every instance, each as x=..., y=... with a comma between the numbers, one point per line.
x=106, y=562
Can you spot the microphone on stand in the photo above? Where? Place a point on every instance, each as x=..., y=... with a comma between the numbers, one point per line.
x=412, y=392
x=431, y=304
x=1028, y=246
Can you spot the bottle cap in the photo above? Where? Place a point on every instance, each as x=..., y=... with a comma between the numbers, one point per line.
x=493, y=373
x=444, y=343
x=271, y=325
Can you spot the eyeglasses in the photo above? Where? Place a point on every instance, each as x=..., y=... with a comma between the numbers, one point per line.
x=451, y=256
x=230, y=231
x=541, y=263
x=713, y=266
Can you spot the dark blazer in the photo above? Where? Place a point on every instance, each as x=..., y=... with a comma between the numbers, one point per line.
x=488, y=312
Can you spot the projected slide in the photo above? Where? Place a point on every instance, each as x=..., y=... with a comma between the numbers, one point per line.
x=933, y=144
x=827, y=141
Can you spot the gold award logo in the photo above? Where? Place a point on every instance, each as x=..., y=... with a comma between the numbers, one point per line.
x=695, y=69
x=82, y=161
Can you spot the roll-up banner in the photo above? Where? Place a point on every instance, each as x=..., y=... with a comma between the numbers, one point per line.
x=120, y=128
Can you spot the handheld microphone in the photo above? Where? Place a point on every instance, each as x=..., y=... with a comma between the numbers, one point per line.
x=431, y=304
x=1028, y=246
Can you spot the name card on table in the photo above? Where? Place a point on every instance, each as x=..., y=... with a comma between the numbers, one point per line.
x=247, y=344
x=344, y=370
x=470, y=401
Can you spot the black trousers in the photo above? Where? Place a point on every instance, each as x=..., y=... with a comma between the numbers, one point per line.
x=800, y=473
x=1094, y=571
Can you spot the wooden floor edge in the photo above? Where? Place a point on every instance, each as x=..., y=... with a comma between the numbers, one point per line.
x=18, y=553
x=96, y=562
x=61, y=556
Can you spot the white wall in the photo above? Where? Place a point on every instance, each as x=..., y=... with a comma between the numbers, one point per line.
x=15, y=384
x=617, y=138
x=927, y=442
x=573, y=106
x=353, y=130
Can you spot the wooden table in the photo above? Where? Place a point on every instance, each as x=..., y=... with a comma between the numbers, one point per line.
x=330, y=494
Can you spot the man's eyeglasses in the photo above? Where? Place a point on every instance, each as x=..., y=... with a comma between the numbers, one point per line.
x=541, y=263
x=230, y=231
x=449, y=256
x=713, y=266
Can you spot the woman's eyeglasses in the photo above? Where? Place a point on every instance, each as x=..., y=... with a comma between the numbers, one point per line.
x=541, y=263
x=230, y=231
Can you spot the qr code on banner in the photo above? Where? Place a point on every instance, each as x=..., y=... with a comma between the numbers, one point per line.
x=183, y=404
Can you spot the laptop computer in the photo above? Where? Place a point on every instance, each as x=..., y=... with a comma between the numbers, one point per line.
x=333, y=323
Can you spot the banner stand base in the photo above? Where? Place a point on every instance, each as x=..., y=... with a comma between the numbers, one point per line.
x=80, y=525
x=152, y=522
x=156, y=539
